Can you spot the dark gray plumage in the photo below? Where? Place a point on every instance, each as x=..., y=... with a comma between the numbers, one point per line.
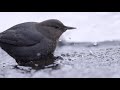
x=31, y=40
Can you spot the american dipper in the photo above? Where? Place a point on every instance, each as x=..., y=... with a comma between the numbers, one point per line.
x=30, y=41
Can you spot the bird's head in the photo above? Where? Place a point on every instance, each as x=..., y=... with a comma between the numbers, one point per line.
x=55, y=28
x=56, y=24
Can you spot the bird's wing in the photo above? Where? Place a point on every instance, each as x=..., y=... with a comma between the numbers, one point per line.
x=20, y=37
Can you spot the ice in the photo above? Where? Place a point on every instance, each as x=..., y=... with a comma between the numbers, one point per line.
x=94, y=62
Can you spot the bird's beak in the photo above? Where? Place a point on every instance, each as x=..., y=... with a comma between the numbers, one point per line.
x=68, y=28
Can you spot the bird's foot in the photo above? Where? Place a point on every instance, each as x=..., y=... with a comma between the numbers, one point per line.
x=58, y=57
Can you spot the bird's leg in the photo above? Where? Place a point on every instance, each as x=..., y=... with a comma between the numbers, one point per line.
x=41, y=63
x=22, y=62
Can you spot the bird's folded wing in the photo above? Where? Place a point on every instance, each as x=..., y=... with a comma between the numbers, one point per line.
x=18, y=38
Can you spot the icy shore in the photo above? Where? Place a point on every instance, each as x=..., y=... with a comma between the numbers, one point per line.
x=76, y=62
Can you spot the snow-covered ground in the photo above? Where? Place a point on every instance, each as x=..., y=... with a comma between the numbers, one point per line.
x=77, y=60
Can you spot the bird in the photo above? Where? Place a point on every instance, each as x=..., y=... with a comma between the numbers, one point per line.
x=30, y=41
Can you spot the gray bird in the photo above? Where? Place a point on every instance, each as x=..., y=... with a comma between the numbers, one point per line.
x=32, y=40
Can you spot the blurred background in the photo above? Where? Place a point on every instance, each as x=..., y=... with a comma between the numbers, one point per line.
x=91, y=26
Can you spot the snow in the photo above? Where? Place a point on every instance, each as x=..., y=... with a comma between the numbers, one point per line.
x=38, y=54
x=78, y=62
x=84, y=60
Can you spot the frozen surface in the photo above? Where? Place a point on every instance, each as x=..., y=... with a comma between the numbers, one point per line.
x=76, y=62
